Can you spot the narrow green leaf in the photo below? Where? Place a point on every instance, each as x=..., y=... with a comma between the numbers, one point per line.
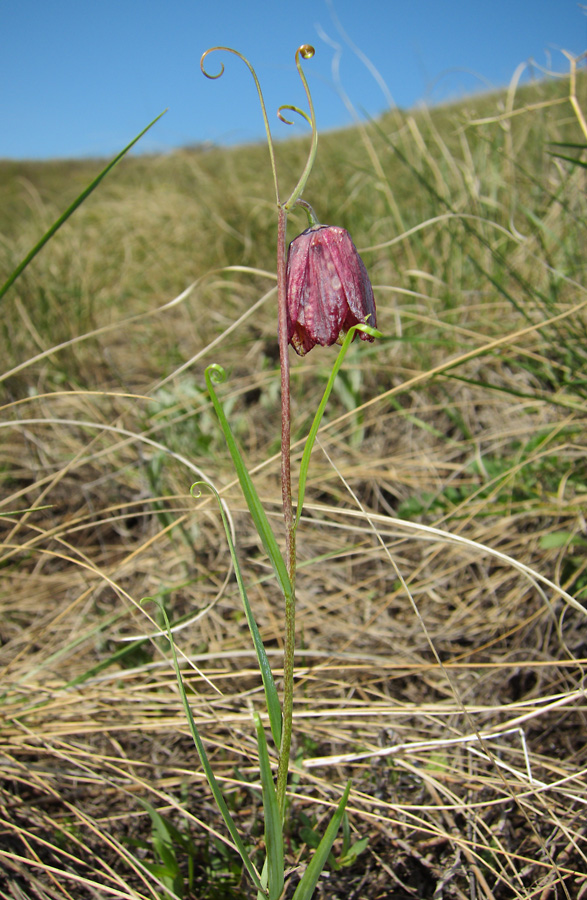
x=310, y=837
x=310, y=440
x=309, y=880
x=263, y=896
x=571, y=159
x=271, y=696
x=20, y=512
x=217, y=373
x=214, y=786
x=157, y=821
x=167, y=827
x=72, y=208
x=273, y=825
x=567, y=144
x=354, y=850
x=346, y=835
x=163, y=832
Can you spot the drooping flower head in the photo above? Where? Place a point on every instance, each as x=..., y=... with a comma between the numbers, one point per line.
x=328, y=289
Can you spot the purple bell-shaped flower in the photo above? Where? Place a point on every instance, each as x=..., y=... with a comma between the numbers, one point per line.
x=328, y=289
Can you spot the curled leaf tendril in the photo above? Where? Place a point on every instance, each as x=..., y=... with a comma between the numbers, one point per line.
x=368, y=329
x=196, y=490
x=216, y=373
x=203, y=68
x=295, y=109
x=305, y=51
x=261, y=101
x=156, y=600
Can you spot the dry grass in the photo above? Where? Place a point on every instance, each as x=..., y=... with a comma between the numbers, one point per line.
x=442, y=575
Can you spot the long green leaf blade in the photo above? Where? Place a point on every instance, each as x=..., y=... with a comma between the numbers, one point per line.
x=309, y=880
x=217, y=373
x=72, y=208
x=214, y=786
x=571, y=159
x=273, y=826
x=271, y=696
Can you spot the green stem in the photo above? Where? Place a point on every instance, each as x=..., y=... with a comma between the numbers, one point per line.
x=306, y=52
x=290, y=550
x=312, y=217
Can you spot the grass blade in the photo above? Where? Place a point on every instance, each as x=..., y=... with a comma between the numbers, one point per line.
x=214, y=786
x=309, y=880
x=72, y=208
x=572, y=159
x=217, y=373
x=568, y=146
x=273, y=826
x=271, y=697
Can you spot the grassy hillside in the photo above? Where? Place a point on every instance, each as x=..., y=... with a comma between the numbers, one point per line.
x=443, y=575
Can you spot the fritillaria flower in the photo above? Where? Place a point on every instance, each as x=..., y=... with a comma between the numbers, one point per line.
x=328, y=289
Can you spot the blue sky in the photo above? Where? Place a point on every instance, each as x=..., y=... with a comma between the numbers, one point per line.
x=81, y=78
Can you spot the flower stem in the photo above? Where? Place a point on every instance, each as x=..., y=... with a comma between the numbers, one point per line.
x=290, y=552
x=312, y=217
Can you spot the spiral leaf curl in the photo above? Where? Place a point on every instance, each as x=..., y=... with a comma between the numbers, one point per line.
x=305, y=51
x=217, y=375
x=295, y=109
x=261, y=101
